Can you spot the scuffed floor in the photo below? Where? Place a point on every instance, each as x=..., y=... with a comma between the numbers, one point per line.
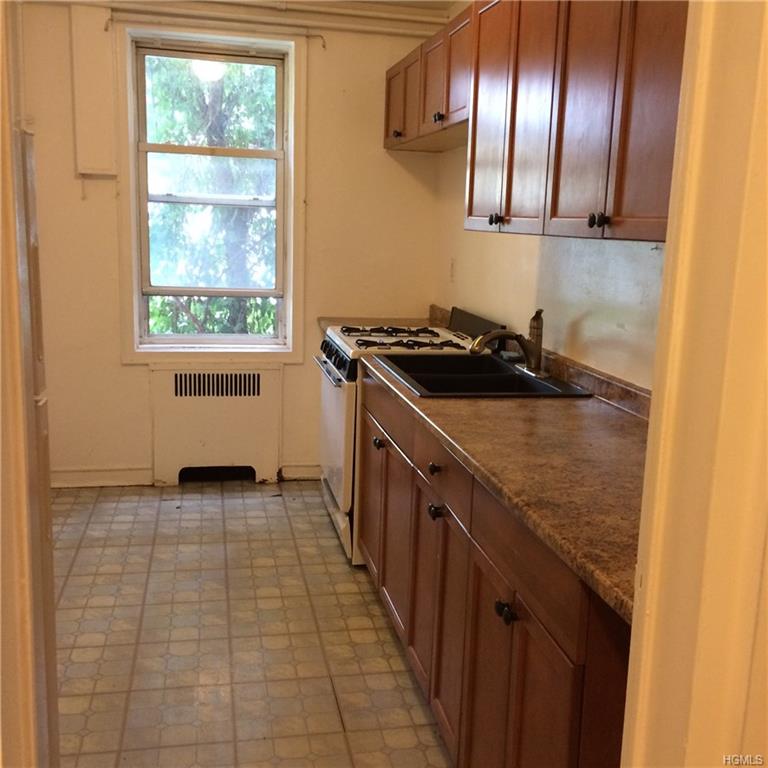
x=220, y=625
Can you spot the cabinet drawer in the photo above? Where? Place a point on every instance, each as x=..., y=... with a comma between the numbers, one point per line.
x=394, y=416
x=554, y=591
x=445, y=473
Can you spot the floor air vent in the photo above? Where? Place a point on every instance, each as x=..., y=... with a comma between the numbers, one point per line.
x=215, y=418
x=217, y=385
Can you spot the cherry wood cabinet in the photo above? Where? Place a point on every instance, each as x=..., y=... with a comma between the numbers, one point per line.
x=427, y=92
x=513, y=57
x=445, y=74
x=617, y=76
x=645, y=119
x=581, y=135
x=435, y=640
x=401, y=109
x=396, y=535
x=371, y=487
x=573, y=115
x=522, y=692
x=522, y=664
x=384, y=517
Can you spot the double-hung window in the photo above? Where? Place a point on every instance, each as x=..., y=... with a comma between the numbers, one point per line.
x=211, y=161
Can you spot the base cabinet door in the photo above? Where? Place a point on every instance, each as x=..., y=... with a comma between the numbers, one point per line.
x=522, y=694
x=545, y=698
x=425, y=546
x=487, y=667
x=396, y=536
x=372, y=453
x=449, y=631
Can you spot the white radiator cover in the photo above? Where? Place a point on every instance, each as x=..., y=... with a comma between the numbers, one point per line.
x=209, y=417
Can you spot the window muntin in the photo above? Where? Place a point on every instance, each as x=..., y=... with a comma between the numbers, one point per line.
x=211, y=162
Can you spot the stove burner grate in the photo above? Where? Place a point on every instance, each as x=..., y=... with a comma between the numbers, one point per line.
x=411, y=344
x=389, y=331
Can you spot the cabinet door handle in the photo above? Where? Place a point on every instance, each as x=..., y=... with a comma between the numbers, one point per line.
x=396, y=134
x=495, y=218
x=435, y=511
x=378, y=443
x=602, y=219
x=439, y=117
x=433, y=468
x=504, y=612
x=591, y=220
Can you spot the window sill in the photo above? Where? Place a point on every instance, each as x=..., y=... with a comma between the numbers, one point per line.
x=172, y=354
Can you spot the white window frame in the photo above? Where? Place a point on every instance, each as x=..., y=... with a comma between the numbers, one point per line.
x=138, y=347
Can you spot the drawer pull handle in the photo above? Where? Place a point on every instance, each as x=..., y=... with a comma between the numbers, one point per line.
x=378, y=443
x=504, y=612
x=435, y=511
x=433, y=468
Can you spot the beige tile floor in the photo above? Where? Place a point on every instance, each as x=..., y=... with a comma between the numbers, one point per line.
x=220, y=625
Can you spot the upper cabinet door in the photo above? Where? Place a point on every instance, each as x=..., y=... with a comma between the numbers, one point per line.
x=585, y=80
x=394, y=106
x=491, y=48
x=645, y=119
x=445, y=75
x=433, y=70
x=531, y=82
x=412, y=76
x=401, y=110
x=458, y=42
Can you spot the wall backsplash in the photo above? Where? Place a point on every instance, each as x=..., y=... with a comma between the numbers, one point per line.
x=600, y=298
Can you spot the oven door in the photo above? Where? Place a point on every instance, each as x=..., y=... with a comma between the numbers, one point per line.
x=337, y=434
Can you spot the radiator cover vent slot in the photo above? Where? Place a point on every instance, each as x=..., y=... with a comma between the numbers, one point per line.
x=210, y=384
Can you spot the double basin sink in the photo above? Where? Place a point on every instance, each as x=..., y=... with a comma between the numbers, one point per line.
x=472, y=376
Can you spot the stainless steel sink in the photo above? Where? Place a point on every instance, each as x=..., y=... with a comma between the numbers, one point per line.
x=471, y=376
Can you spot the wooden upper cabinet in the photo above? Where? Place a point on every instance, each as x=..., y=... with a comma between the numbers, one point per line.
x=491, y=49
x=618, y=81
x=401, y=109
x=581, y=128
x=445, y=75
x=514, y=57
x=532, y=68
x=645, y=119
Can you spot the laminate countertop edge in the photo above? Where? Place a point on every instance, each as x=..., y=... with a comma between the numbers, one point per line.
x=585, y=503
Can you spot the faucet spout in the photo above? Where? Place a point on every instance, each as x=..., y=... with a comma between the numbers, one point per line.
x=530, y=347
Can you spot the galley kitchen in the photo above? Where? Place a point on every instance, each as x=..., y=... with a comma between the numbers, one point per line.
x=353, y=406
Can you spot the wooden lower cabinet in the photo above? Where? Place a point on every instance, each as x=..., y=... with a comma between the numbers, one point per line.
x=425, y=546
x=450, y=625
x=396, y=536
x=371, y=487
x=522, y=664
x=521, y=692
x=435, y=639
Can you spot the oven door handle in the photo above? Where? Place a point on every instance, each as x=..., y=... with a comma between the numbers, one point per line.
x=327, y=369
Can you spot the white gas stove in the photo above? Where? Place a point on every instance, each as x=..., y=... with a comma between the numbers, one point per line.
x=341, y=349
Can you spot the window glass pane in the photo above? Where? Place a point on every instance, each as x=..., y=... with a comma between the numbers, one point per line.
x=202, y=102
x=253, y=316
x=211, y=246
x=244, y=178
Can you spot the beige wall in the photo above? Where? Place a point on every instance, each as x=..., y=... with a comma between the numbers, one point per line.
x=357, y=261
x=600, y=298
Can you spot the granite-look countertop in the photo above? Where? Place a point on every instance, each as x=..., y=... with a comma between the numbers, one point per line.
x=571, y=468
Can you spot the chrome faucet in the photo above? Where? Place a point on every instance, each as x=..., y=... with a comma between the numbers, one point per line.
x=531, y=347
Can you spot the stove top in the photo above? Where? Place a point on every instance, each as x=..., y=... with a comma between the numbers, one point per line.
x=388, y=331
x=355, y=341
